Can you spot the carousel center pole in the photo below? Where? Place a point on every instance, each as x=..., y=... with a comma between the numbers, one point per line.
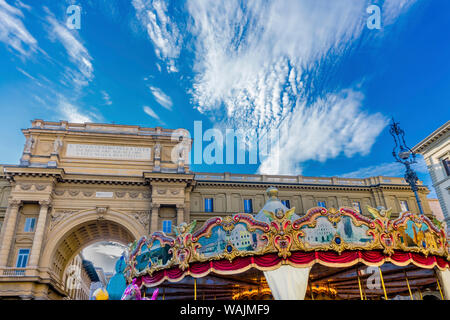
x=420, y=293
x=409, y=288
x=359, y=284
x=195, y=289
x=382, y=283
x=439, y=285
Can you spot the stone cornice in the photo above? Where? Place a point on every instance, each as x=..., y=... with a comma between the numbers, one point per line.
x=280, y=185
x=425, y=143
x=169, y=177
x=17, y=171
x=102, y=179
x=104, y=129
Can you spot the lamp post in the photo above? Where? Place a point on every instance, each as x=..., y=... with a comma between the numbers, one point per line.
x=403, y=154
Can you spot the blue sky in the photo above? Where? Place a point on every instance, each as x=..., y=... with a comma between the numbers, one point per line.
x=311, y=69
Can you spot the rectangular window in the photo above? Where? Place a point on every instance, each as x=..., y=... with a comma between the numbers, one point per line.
x=29, y=224
x=404, y=205
x=167, y=226
x=248, y=207
x=209, y=205
x=287, y=203
x=321, y=204
x=356, y=206
x=22, y=258
x=446, y=164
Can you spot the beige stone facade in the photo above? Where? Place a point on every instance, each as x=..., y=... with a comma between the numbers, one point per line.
x=436, y=151
x=84, y=183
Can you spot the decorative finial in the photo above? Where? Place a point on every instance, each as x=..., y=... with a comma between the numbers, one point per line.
x=272, y=192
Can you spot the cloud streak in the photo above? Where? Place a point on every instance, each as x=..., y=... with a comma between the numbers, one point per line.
x=262, y=66
x=83, y=73
x=160, y=97
x=164, y=34
x=13, y=32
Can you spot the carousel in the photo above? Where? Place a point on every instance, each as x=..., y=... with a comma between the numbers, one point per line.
x=276, y=254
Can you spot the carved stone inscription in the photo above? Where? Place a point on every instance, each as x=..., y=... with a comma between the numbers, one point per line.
x=108, y=152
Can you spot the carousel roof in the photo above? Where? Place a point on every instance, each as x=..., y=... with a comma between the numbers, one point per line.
x=273, y=205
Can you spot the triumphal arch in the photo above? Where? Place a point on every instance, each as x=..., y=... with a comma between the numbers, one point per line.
x=77, y=184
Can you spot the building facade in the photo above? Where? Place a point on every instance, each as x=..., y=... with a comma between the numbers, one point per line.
x=436, y=151
x=78, y=184
x=77, y=280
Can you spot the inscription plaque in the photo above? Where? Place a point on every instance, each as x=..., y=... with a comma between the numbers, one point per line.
x=108, y=152
x=104, y=194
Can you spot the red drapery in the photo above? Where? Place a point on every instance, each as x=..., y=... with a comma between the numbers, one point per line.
x=271, y=261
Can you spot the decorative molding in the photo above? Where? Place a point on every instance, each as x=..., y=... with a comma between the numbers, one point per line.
x=40, y=187
x=74, y=193
x=25, y=186
x=146, y=195
x=161, y=191
x=88, y=193
x=133, y=194
x=120, y=194
x=59, y=192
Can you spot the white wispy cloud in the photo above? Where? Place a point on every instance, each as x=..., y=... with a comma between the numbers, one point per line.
x=332, y=125
x=106, y=98
x=161, y=30
x=262, y=66
x=389, y=169
x=163, y=99
x=83, y=72
x=149, y=111
x=72, y=113
x=13, y=32
x=394, y=169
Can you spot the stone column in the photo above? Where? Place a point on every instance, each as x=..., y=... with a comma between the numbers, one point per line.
x=9, y=227
x=39, y=234
x=154, y=217
x=180, y=214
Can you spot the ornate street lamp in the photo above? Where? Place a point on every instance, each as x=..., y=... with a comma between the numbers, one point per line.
x=403, y=154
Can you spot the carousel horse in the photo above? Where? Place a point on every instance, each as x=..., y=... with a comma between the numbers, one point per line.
x=132, y=292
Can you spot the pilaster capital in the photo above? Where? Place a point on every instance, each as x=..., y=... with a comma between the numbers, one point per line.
x=180, y=206
x=14, y=203
x=155, y=206
x=45, y=204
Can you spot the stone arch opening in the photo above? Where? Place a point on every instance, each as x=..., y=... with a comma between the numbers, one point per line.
x=83, y=235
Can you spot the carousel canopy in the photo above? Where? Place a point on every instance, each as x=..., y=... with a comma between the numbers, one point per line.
x=277, y=236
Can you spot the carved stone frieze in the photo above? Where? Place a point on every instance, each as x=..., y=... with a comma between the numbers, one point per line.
x=161, y=191
x=58, y=216
x=120, y=194
x=59, y=192
x=74, y=193
x=142, y=217
x=133, y=194
x=25, y=186
x=40, y=187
